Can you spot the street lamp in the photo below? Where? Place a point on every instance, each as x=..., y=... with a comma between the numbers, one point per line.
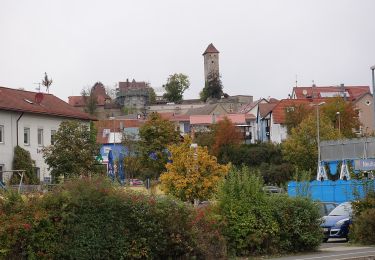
x=318, y=133
x=339, y=119
x=373, y=92
x=114, y=134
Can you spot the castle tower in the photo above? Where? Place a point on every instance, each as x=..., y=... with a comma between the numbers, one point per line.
x=211, y=61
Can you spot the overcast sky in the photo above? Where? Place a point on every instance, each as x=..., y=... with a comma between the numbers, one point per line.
x=263, y=44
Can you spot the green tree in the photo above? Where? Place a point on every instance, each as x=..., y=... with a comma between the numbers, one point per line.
x=193, y=174
x=301, y=147
x=132, y=161
x=90, y=99
x=175, y=87
x=155, y=135
x=343, y=115
x=74, y=151
x=213, y=87
x=152, y=96
x=295, y=114
x=22, y=161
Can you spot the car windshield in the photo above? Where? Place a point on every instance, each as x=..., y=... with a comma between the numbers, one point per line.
x=344, y=209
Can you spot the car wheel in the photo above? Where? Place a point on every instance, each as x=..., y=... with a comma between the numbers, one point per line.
x=325, y=240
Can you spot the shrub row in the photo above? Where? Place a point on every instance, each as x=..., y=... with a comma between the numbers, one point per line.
x=93, y=220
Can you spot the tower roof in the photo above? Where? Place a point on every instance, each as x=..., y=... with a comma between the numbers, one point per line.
x=210, y=49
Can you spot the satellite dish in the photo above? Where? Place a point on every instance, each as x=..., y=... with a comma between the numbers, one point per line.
x=39, y=97
x=304, y=92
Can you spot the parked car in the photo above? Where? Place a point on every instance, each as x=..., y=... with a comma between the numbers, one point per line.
x=135, y=182
x=337, y=223
x=326, y=207
x=272, y=189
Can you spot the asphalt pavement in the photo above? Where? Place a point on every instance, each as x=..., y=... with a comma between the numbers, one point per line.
x=335, y=249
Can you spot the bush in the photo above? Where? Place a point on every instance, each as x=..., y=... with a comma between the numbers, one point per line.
x=248, y=223
x=299, y=222
x=364, y=221
x=22, y=161
x=276, y=174
x=252, y=154
x=86, y=219
x=256, y=223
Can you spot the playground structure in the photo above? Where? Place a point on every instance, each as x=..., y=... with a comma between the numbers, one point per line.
x=349, y=157
x=359, y=153
x=8, y=175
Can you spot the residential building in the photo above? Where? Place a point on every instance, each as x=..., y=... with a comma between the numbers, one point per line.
x=30, y=120
x=365, y=107
x=360, y=96
x=264, y=121
x=349, y=93
x=110, y=133
x=251, y=111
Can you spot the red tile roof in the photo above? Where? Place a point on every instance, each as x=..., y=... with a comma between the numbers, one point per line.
x=321, y=92
x=210, y=49
x=278, y=112
x=98, y=89
x=210, y=119
x=25, y=101
x=123, y=86
x=78, y=101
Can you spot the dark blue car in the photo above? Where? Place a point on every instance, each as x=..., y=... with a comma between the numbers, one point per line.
x=337, y=223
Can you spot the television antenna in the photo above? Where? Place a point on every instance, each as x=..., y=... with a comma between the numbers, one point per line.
x=38, y=88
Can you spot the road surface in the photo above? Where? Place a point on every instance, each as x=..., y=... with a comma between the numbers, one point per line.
x=335, y=249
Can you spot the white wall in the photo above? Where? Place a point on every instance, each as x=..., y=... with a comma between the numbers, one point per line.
x=34, y=122
x=278, y=132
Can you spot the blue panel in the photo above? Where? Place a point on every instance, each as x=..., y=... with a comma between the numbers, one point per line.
x=332, y=191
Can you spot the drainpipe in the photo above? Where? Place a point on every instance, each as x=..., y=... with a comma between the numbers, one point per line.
x=17, y=125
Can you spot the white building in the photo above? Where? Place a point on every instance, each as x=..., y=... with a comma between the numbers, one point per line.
x=30, y=120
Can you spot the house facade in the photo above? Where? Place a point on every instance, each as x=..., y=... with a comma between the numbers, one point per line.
x=30, y=120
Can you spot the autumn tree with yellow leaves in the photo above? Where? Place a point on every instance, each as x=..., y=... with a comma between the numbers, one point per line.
x=192, y=174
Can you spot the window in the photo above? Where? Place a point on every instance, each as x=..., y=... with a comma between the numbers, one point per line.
x=37, y=172
x=1, y=134
x=26, y=136
x=40, y=137
x=53, y=133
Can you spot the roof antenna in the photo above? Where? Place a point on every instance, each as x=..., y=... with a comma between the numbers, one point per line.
x=296, y=80
x=38, y=88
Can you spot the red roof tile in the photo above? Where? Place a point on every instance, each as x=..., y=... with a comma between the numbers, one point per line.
x=210, y=49
x=98, y=89
x=25, y=101
x=321, y=92
x=278, y=112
